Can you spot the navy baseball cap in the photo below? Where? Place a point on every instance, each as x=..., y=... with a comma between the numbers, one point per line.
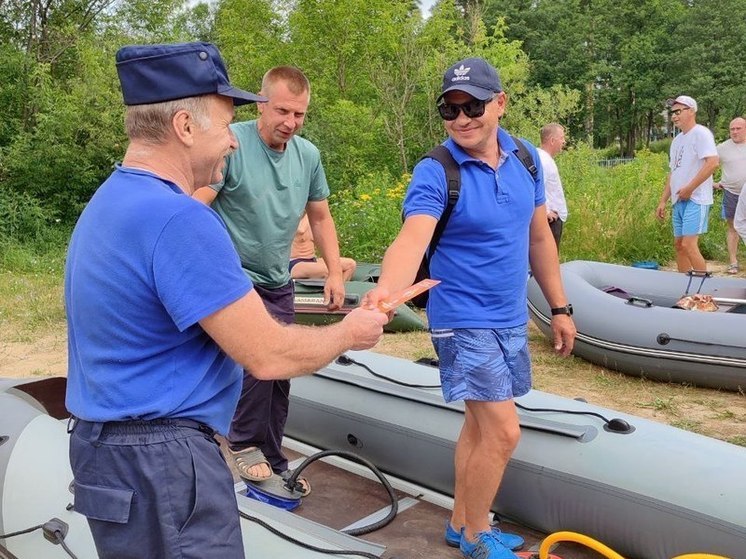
x=158, y=73
x=474, y=76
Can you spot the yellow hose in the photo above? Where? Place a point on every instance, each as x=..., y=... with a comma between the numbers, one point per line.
x=581, y=539
x=604, y=550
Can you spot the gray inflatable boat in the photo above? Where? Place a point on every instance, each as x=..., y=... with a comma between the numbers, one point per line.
x=35, y=478
x=649, y=492
x=626, y=321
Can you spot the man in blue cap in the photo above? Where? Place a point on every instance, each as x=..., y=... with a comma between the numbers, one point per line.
x=162, y=319
x=478, y=313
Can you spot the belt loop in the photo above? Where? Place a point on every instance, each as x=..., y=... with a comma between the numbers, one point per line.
x=95, y=435
x=72, y=422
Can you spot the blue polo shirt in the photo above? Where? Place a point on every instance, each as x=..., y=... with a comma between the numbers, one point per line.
x=145, y=263
x=482, y=257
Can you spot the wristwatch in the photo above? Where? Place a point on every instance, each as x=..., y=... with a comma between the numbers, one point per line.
x=567, y=309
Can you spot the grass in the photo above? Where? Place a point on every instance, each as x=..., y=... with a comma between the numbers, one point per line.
x=30, y=303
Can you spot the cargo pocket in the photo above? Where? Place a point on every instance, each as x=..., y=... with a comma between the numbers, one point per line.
x=103, y=503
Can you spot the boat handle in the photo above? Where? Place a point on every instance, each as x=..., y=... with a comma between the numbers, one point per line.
x=639, y=302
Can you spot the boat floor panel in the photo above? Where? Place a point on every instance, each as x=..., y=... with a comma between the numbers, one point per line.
x=340, y=498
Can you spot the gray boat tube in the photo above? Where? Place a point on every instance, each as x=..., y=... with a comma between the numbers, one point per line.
x=636, y=331
x=35, y=479
x=653, y=493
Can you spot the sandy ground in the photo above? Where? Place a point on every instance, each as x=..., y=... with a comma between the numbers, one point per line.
x=44, y=356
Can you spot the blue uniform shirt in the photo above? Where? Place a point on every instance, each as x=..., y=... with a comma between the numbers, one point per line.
x=145, y=263
x=482, y=257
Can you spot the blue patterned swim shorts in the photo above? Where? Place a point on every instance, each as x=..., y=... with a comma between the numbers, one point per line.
x=484, y=364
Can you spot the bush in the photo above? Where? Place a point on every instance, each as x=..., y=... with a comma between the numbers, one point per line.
x=612, y=211
x=661, y=146
x=368, y=216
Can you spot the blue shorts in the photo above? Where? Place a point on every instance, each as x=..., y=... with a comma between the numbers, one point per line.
x=730, y=201
x=690, y=218
x=483, y=364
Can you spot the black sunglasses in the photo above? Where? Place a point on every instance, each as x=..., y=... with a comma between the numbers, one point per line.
x=472, y=109
x=676, y=112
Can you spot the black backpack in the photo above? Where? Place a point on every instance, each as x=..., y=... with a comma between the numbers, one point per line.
x=453, y=184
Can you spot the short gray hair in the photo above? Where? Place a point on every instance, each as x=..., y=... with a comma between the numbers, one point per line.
x=550, y=130
x=151, y=123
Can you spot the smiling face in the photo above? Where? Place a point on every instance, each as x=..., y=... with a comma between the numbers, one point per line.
x=282, y=116
x=477, y=136
x=683, y=117
x=214, y=142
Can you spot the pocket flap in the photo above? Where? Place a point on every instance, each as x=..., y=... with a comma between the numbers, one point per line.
x=103, y=503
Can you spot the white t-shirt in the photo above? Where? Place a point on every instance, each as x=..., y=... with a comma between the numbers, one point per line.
x=739, y=220
x=553, y=191
x=687, y=155
x=733, y=165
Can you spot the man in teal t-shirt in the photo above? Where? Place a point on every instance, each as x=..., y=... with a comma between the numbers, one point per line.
x=270, y=180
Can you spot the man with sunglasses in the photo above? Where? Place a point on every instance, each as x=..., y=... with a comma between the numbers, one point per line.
x=478, y=313
x=693, y=159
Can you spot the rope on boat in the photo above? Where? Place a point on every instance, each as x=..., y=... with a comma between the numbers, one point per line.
x=292, y=483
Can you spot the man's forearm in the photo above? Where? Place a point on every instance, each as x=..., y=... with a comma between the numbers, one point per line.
x=708, y=168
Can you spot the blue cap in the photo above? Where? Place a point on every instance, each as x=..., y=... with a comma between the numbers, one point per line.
x=474, y=76
x=158, y=73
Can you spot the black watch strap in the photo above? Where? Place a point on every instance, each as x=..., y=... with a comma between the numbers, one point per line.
x=567, y=309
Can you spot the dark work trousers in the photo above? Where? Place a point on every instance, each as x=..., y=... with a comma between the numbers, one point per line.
x=158, y=489
x=556, y=227
x=263, y=406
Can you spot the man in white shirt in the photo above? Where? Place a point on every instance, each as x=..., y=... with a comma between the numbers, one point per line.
x=552, y=142
x=732, y=155
x=739, y=219
x=693, y=158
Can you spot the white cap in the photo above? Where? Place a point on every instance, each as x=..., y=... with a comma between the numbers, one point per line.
x=686, y=101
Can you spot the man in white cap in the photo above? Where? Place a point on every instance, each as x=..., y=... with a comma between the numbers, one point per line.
x=732, y=153
x=693, y=159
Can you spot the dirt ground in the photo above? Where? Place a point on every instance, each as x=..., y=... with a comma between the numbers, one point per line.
x=710, y=412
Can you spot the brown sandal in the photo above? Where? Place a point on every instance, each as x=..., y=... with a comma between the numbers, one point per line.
x=248, y=458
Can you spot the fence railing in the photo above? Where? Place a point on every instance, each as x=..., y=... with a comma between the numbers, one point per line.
x=613, y=162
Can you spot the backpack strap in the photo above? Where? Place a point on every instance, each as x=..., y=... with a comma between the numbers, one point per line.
x=525, y=157
x=453, y=181
x=453, y=186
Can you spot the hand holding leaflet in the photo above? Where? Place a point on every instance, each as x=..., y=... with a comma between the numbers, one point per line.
x=406, y=294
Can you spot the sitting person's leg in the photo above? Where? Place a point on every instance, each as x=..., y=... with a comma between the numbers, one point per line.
x=348, y=267
x=306, y=268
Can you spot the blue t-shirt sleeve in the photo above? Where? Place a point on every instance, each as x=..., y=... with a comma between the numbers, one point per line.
x=427, y=193
x=195, y=267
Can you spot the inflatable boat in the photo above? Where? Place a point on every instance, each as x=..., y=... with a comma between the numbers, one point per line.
x=366, y=271
x=645, y=489
x=627, y=320
x=310, y=307
x=37, y=519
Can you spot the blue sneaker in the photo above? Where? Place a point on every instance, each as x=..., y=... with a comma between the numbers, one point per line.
x=511, y=541
x=487, y=546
